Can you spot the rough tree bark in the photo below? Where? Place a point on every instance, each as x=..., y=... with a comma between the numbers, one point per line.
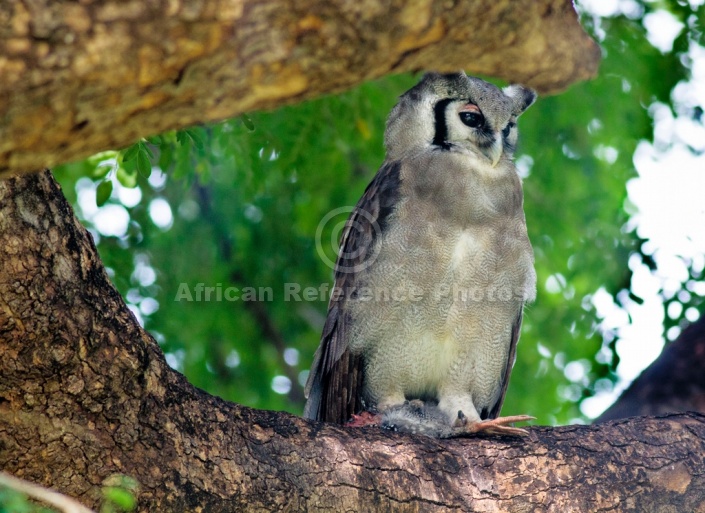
x=85, y=392
x=81, y=77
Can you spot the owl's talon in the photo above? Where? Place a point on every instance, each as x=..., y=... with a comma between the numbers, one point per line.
x=498, y=426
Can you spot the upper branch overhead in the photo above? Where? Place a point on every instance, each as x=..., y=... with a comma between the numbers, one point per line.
x=78, y=78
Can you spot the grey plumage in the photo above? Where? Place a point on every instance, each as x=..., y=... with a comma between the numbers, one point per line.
x=434, y=268
x=419, y=418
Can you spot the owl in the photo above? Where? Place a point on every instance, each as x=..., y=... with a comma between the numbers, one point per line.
x=434, y=269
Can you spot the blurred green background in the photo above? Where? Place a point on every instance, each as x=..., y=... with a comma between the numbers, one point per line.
x=238, y=204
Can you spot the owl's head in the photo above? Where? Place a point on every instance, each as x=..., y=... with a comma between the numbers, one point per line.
x=455, y=111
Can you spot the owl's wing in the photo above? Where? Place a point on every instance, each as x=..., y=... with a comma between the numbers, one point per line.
x=335, y=384
x=511, y=358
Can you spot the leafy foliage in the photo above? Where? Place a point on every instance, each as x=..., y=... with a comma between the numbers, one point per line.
x=235, y=207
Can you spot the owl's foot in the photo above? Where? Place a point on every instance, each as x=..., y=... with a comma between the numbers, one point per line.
x=496, y=426
x=365, y=418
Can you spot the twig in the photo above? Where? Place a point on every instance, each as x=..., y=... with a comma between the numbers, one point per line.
x=45, y=495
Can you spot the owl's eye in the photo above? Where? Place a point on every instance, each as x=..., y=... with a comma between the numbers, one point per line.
x=507, y=129
x=472, y=119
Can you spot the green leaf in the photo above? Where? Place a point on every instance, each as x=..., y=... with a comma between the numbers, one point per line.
x=166, y=157
x=119, y=493
x=127, y=177
x=144, y=166
x=182, y=138
x=168, y=137
x=197, y=136
x=120, y=497
x=103, y=192
x=182, y=160
x=102, y=170
x=247, y=121
x=147, y=150
x=130, y=166
x=131, y=152
x=96, y=159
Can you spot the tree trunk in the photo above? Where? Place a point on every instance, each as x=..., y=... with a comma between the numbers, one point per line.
x=81, y=77
x=674, y=382
x=85, y=392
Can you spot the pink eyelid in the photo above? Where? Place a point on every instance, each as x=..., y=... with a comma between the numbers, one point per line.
x=470, y=107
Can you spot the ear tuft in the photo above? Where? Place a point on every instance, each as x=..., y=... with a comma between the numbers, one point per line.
x=522, y=97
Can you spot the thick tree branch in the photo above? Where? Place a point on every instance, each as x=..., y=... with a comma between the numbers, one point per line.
x=85, y=392
x=82, y=77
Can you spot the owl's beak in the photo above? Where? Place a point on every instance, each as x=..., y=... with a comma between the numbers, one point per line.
x=494, y=152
